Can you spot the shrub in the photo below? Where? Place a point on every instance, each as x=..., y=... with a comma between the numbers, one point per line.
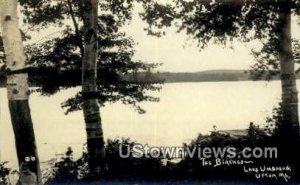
x=66, y=169
x=4, y=173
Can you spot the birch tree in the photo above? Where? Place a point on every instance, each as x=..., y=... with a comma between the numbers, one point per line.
x=223, y=21
x=18, y=94
x=290, y=126
x=95, y=141
x=68, y=60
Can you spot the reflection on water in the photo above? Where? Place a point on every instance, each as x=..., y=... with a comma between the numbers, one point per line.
x=185, y=110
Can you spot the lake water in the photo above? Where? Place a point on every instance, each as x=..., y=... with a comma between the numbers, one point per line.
x=185, y=110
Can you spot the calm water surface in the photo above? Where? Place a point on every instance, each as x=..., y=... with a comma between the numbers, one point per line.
x=185, y=110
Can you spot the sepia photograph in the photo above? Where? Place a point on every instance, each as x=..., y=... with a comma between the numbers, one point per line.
x=149, y=92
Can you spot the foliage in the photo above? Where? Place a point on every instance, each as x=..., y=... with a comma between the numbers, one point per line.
x=130, y=167
x=222, y=22
x=55, y=63
x=67, y=169
x=144, y=168
x=274, y=121
x=193, y=168
x=4, y=173
x=267, y=66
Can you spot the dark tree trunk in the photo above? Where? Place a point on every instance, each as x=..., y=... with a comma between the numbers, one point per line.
x=95, y=141
x=290, y=126
x=25, y=141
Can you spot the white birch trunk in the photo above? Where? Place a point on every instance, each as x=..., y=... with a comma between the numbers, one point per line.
x=18, y=94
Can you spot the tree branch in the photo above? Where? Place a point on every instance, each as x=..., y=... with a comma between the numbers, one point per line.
x=77, y=33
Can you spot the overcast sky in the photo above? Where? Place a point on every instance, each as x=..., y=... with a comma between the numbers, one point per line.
x=179, y=55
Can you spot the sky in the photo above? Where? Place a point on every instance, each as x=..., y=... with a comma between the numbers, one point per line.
x=179, y=54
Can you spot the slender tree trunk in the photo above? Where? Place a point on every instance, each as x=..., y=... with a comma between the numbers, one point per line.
x=18, y=94
x=290, y=125
x=95, y=141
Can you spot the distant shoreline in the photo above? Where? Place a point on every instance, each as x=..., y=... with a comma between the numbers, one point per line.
x=174, y=82
x=190, y=77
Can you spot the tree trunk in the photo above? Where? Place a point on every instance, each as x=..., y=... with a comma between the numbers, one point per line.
x=290, y=126
x=18, y=94
x=95, y=141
